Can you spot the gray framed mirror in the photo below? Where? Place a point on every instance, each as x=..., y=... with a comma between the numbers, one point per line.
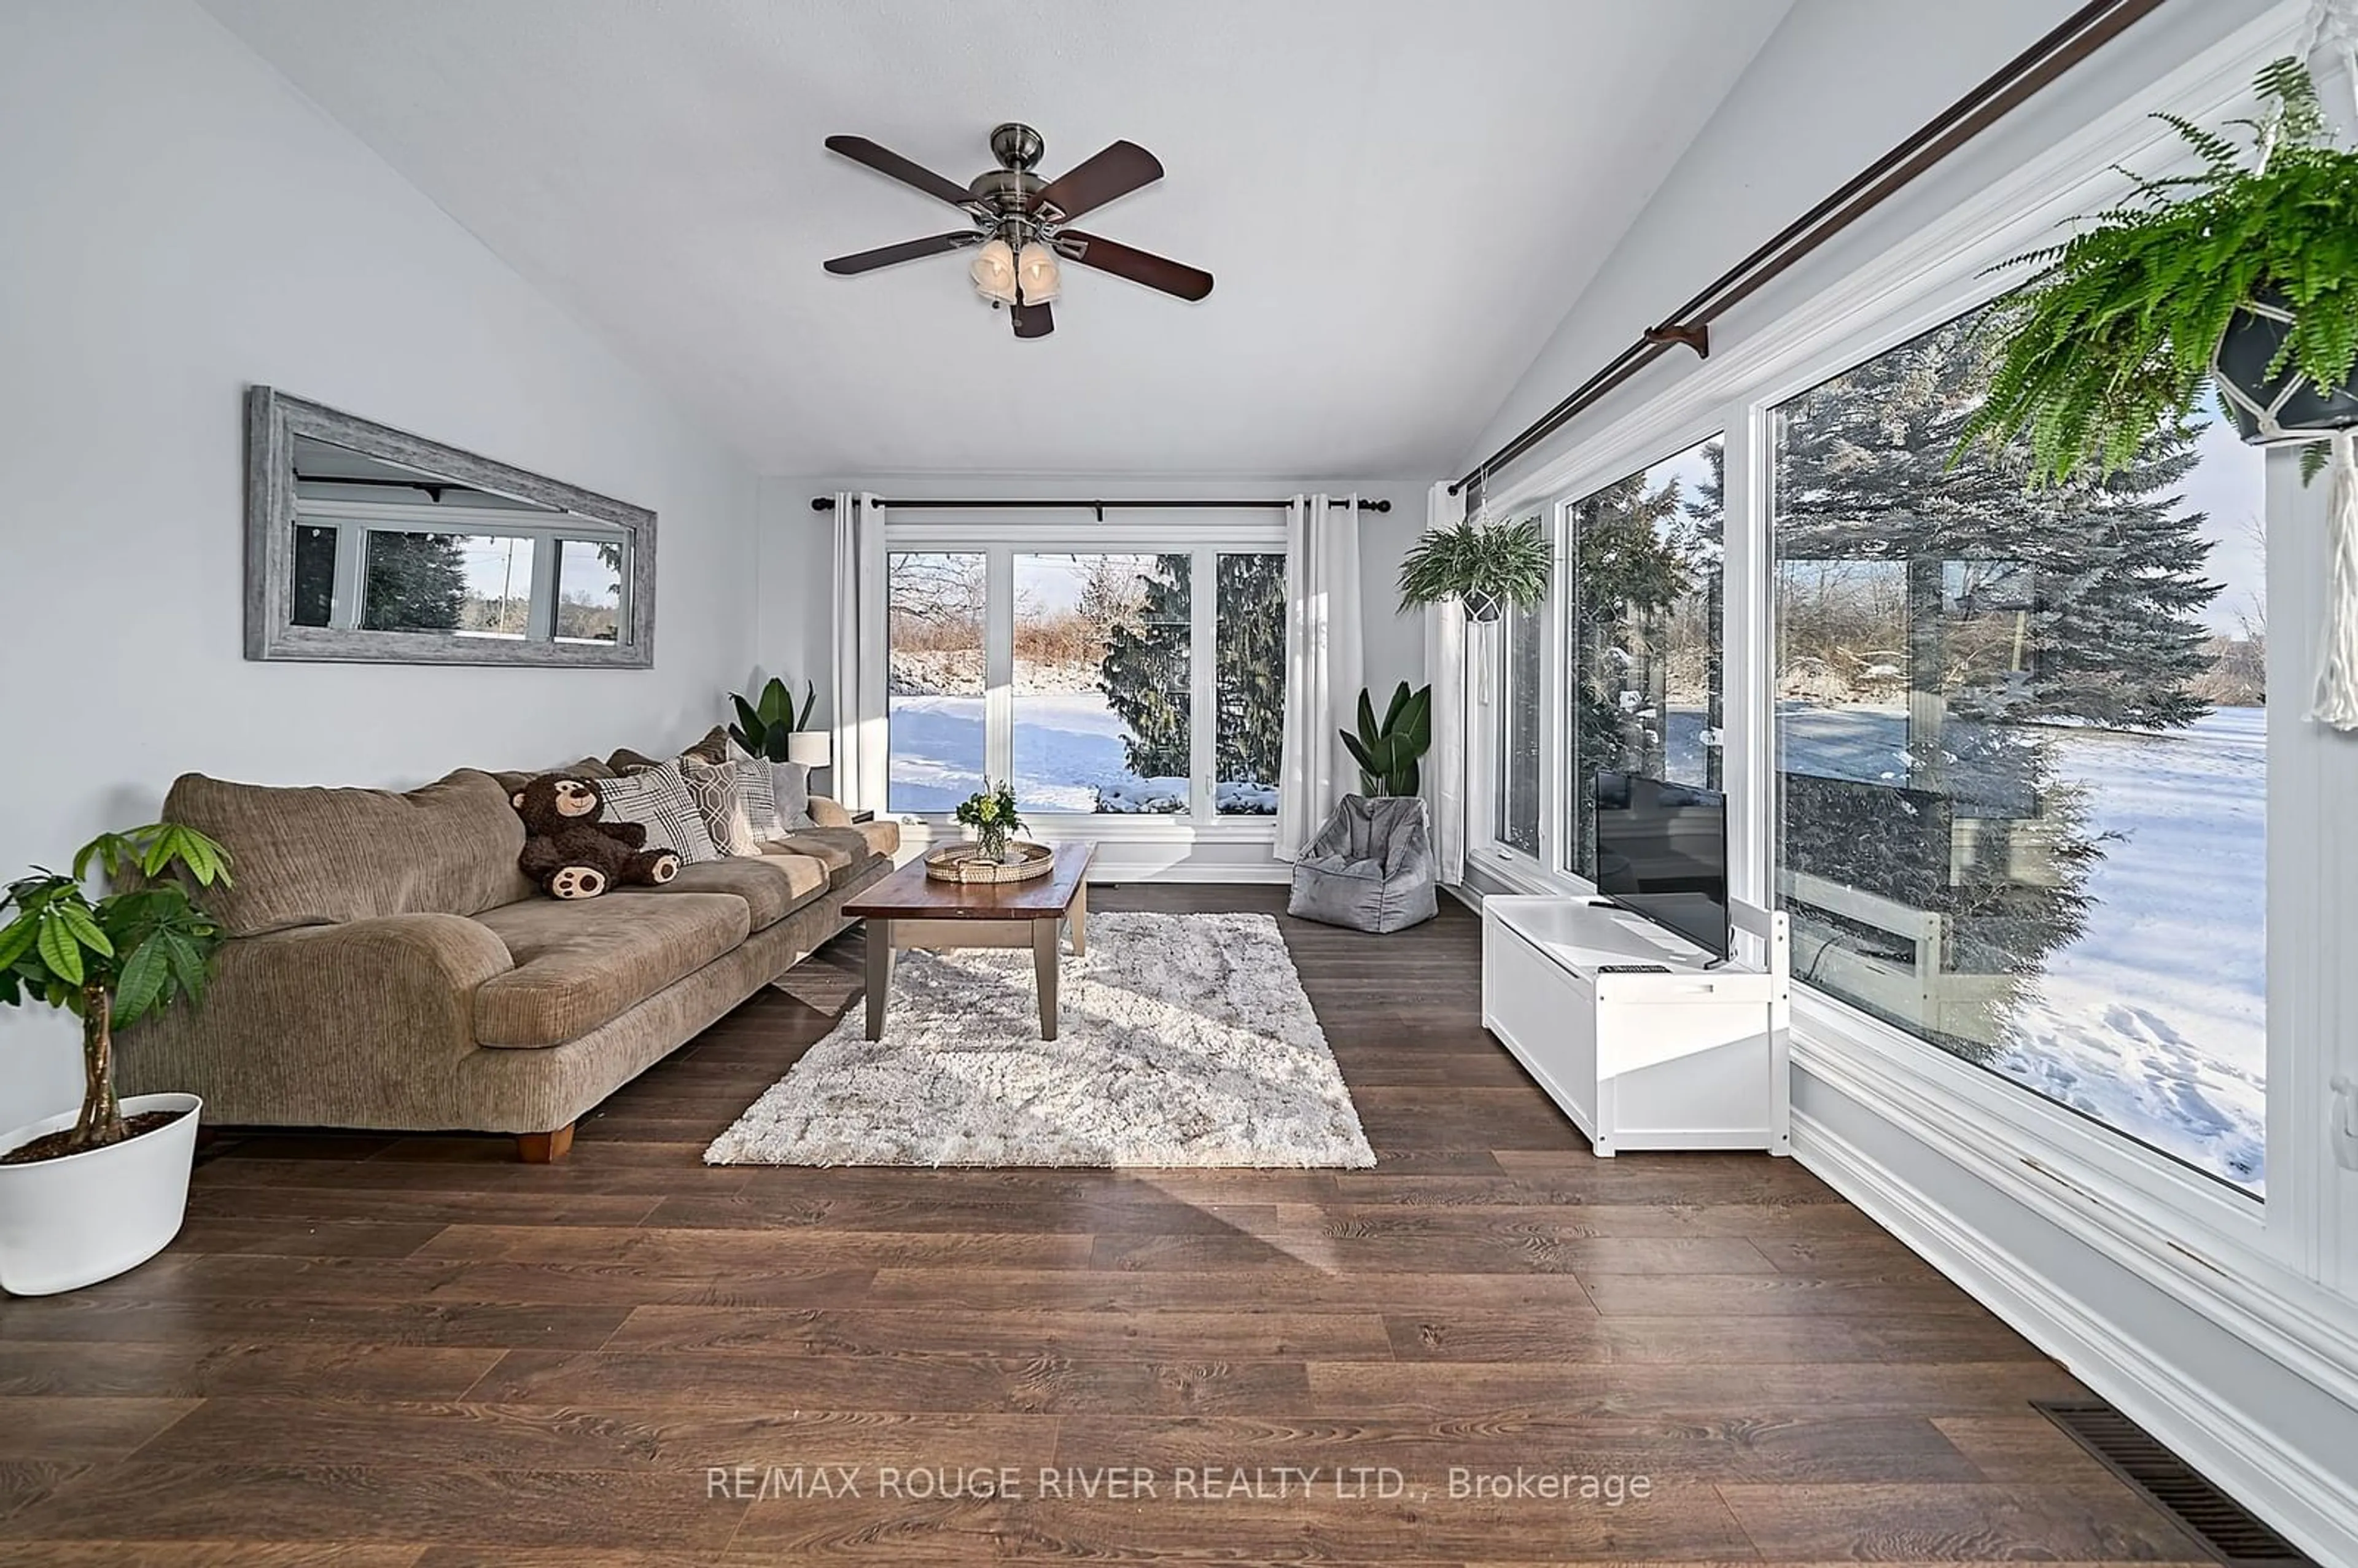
x=367, y=543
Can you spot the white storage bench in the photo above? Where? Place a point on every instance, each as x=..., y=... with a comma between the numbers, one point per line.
x=1690, y=1058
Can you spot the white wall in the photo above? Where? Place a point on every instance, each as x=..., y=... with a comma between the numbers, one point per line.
x=174, y=224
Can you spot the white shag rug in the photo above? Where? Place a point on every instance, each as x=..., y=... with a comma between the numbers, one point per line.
x=1184, y=1040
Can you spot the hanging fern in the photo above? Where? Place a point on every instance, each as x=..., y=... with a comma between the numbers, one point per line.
x=2115, y=332
x=1504, y=562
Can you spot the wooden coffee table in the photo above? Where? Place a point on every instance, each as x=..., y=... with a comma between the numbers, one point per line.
x=910, y=909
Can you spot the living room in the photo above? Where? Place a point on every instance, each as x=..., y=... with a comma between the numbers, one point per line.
x=916, y=895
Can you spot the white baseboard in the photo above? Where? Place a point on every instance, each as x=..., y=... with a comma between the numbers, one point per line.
x=1276, y=872
x=2262, y=1468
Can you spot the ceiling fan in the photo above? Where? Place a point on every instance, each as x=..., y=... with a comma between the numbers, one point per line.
x=1018, y=220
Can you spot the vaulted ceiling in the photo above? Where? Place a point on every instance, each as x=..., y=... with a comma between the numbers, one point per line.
x=1399, y=199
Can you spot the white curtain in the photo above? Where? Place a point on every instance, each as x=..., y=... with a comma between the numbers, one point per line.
x=860, y=745
x=1321, y=665
x=1444, y=668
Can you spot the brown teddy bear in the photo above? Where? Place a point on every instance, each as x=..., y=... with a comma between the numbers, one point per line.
x=572, y=854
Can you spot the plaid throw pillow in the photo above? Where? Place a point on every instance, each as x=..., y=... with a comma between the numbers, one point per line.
x=658, y=800
x=735, y=801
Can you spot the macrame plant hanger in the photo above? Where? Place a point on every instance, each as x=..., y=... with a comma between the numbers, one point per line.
x=2332, y=58
x=1474, y=626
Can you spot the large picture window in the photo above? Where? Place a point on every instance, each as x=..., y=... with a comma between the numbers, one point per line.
x=1517, y=806
x=1643, y=636
x=2020, y=758
x=1099, y=681
x=1103, y=688
x=934, y=677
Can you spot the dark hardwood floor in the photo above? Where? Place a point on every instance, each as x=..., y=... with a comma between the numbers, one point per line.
x=396, y=1351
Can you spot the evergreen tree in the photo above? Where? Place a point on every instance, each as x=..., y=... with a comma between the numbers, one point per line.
x=1250, y=667
x=416, y=582
x=2105, y=576
x=1145, y=676
x=1991, y=603
x=1145, y=673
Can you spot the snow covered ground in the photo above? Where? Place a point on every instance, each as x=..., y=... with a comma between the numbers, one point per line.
x=1067, y=751
x=2154, y=1022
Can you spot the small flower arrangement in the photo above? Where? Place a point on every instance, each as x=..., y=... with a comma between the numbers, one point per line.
x=992, y=815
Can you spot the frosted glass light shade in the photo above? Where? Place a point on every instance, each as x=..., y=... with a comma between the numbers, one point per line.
x=1037, y=272
x=994, y=272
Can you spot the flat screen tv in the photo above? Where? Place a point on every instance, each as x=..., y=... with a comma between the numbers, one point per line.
x=1662, y=851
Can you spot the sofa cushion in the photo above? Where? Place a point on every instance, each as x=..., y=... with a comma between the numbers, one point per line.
x=515, y=779
x=843, y=850
x=772, y=886
x=320, y=857
x=712, y=750
x=583, y=962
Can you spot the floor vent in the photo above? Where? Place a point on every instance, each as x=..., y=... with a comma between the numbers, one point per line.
x=2201, y=1510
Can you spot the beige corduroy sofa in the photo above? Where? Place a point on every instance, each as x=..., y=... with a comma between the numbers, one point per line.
x=388, y=966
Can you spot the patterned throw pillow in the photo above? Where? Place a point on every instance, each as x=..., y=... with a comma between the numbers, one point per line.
x=737, y=820
x=657, y=799
x=790, y=786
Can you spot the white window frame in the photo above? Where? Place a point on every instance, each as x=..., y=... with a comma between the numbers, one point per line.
x=355, y=520
x=2283, y=1275
x=1204, y=537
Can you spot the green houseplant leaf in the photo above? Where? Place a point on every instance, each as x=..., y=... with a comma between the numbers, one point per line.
x=115, y=959
x=2118, y=330
x=1386, y=753
x=1479, y=565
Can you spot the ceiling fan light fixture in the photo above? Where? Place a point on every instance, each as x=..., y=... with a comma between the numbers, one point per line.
x=994, y=272
x=1037, y=272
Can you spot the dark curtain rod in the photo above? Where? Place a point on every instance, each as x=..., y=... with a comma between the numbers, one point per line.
x=826, y=503
x=2081, y=35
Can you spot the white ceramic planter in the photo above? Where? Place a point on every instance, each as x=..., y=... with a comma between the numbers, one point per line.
x=72, y=1222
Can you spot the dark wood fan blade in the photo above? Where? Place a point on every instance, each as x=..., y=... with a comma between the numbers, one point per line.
x=1139, y=266
x=1032, y=320
x=884, y=160
x=907, y=250
x=1116, y=171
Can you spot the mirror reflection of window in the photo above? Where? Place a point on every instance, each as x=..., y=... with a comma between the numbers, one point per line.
x=365, y=555
x=315, y=575
x=588, y=594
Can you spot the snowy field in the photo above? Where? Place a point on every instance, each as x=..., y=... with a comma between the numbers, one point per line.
x=1067, y=751
x=2154, y=1022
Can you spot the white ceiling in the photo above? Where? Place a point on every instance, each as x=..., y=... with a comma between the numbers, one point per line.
x=1401, y=199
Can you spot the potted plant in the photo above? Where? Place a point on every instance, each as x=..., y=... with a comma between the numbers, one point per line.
x=1484, y=566
x=991, y=814
x=775, y=730
x=85, y=1196
x=2243, y=273
x=1388, y=752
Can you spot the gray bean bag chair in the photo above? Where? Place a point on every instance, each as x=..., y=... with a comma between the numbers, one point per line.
x=1370, y=868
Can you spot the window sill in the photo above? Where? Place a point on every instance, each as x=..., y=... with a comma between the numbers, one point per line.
x=2198, y=1241
x=1149, y=826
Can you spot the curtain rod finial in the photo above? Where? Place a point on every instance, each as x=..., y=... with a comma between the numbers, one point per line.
x=822, y=504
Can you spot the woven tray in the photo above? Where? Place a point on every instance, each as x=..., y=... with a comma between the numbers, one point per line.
x=963, y=863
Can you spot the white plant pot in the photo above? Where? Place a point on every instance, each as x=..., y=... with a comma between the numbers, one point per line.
x=811, y=748
x=74, y=1221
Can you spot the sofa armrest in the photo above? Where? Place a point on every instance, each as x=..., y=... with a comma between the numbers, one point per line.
x=828, y=813
x=321, y=1023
